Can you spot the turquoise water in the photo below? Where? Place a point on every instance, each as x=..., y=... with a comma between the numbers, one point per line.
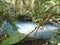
x=27, y=26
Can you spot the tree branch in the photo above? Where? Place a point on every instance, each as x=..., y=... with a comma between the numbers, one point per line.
x=44, y=21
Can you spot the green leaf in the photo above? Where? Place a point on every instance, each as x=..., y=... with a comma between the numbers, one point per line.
x=38, y=20
x=13, y=39
x=56, y=9
x=42, y=9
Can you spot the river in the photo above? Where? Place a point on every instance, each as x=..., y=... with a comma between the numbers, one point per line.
x=26, y=27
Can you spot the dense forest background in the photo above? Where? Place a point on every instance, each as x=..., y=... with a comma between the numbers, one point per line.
x=34, y=9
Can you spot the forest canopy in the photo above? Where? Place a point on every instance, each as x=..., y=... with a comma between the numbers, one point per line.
x=36, y=9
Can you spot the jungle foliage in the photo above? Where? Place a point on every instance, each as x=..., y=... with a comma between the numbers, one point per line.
x=41, y=11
